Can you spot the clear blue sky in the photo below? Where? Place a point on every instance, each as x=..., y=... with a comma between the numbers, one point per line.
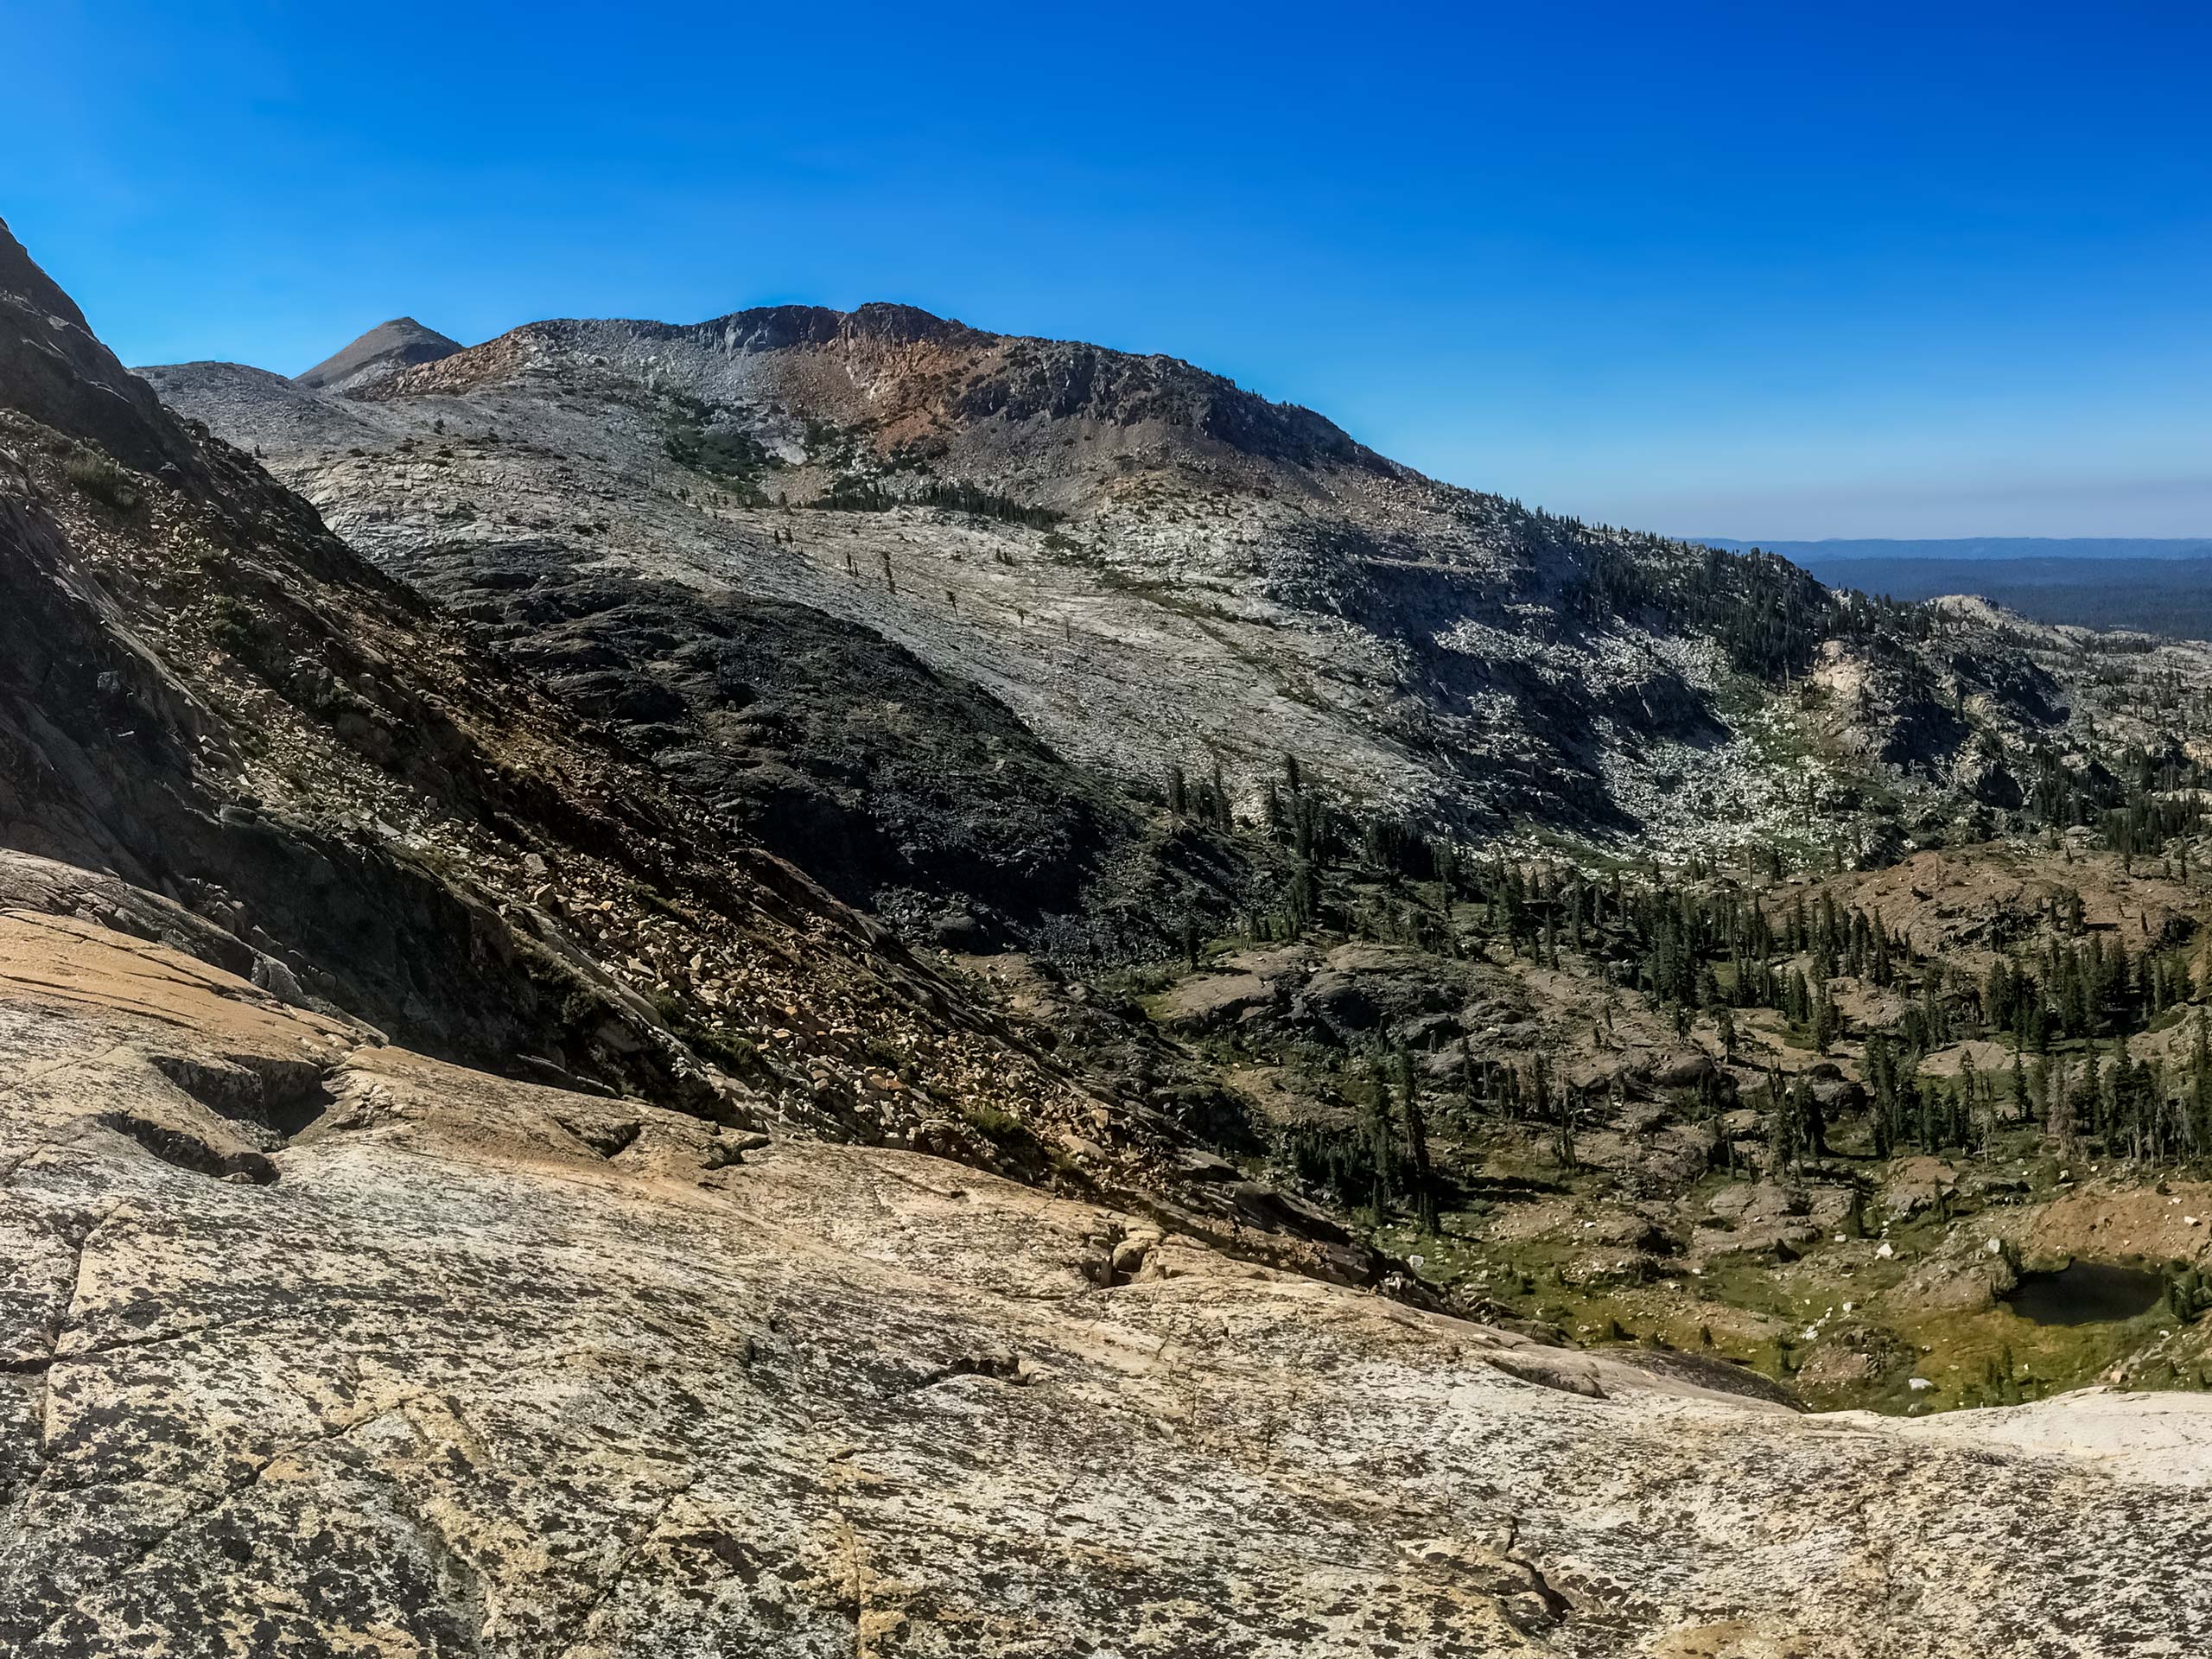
x=1759, y=270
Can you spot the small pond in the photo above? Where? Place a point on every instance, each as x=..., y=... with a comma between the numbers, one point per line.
x=2086, y=1293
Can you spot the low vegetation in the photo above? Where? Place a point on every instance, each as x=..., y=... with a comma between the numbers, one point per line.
x=100, y=478
x=1753, y=1112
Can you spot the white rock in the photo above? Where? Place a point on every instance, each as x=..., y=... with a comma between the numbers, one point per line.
x=1919, y=1384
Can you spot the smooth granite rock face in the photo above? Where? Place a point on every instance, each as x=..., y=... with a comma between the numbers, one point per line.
x=310, y=1345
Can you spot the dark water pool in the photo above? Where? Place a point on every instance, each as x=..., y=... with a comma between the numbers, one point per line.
x=2087, y=1292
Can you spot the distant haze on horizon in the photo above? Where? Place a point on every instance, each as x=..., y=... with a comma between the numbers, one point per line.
x=1947, y=280
x=1970, y=548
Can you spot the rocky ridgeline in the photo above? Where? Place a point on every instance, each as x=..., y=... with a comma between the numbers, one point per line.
x=1148, y=567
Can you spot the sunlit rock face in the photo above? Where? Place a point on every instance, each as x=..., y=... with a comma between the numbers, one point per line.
x=313, y=1345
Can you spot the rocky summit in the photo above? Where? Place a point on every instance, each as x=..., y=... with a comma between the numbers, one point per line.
x=384, y=351
x=828, y=983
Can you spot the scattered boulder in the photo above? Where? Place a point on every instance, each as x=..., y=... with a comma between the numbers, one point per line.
x=1915, y=1184
x=1210, y=1002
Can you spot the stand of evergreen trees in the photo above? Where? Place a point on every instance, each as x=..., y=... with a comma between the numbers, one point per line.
x=1700, y=942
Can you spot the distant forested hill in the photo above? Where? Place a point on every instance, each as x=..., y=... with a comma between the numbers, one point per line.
x=2162, y=586
x=1813, y=555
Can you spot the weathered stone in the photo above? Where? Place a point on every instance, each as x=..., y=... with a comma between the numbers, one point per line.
x=503, y=1368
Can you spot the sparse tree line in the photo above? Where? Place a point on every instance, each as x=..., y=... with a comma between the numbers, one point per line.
x=851, y=493
x=1383, y=1161
x=1700, y=946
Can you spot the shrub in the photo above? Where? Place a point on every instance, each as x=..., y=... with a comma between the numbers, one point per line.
x=231, y=625
x=2188, y=1295
x=993, y=1122
x=735, y=1055
x=101, y=479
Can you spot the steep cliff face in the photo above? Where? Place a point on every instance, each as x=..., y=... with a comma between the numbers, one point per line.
x=57, y=372
x=203, y=691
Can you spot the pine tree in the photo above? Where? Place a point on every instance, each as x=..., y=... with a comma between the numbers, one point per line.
x=1382, y=1146
x=1780, y=1129
x=2058, y=1109
x=2200, y=1086
x=1827, y=1022
x=1813, y=1117
x=1417, y=1143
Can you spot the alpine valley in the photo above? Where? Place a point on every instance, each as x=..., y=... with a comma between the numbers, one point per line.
x=824, y=982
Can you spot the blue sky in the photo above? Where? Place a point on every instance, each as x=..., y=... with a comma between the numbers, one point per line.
x=1747, y=270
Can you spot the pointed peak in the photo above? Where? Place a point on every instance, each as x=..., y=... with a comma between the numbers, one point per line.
x=387, y=348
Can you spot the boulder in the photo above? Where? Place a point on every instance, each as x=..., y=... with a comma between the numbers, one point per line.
x=1211, y=1002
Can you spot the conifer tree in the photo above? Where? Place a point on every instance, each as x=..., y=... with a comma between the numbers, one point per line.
x=1566, y=1155
x=1381, y=1145
x=1780, y=1129
x=2058, y=1109
x=1417, y=1143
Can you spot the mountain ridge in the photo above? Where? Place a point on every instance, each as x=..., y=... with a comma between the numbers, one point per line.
x=1150, y=567
x=938, y=368
x=1975, y=547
